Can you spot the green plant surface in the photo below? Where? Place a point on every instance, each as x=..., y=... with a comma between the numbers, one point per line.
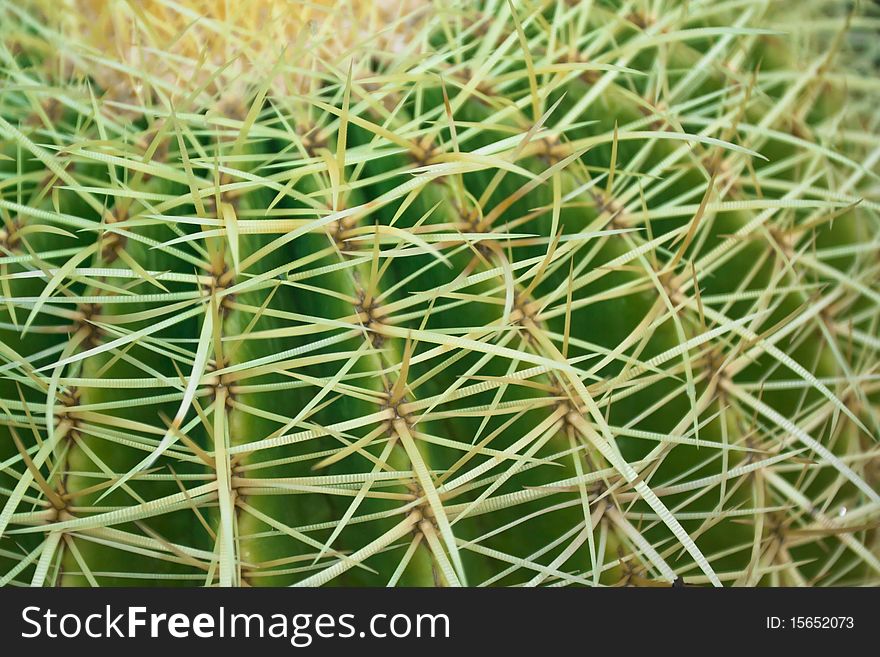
x=481, y=293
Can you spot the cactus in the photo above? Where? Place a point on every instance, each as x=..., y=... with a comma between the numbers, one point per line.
x=414, y=293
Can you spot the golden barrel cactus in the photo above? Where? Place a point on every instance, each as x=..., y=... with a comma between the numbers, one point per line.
x=462, y=292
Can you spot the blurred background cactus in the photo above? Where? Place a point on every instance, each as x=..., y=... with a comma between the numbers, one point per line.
x=502, y=292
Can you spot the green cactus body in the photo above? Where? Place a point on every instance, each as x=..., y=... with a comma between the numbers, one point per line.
x=489, y=293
